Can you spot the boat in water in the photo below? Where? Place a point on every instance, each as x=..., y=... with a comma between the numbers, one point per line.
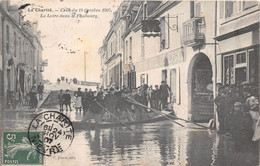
x=164, y=115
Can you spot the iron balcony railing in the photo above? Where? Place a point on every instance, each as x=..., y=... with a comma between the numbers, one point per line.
x=193, y=32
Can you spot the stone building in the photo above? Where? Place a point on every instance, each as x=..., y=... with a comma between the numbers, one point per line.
x=238, y=38
x=181, y=54
x=20, y=53
x=199, y=44
x=112, y=50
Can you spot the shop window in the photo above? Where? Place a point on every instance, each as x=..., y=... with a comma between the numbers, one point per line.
x=241, y=58
x=239, y=67
x=228, y=69
x=240, y=74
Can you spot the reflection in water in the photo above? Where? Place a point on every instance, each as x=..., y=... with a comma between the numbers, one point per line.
x=161, y=143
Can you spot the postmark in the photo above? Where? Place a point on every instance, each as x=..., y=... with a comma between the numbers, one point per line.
x=17, y=150
x=57, y=130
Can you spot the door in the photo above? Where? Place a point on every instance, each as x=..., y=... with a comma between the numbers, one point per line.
x=173, y=85
x=164, y=75
x=202, y=90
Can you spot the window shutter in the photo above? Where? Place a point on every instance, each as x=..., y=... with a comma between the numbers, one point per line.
x=197, y=9
x=162, y=38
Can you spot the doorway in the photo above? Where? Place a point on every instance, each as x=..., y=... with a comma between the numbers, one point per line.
x=202, y=106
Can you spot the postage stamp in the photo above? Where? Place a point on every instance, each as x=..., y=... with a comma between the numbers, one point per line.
x=57, y=130
x=17, y=150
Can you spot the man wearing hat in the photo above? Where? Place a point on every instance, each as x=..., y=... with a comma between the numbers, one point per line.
x=110, y=101
x=164, y=93
x=67, y=100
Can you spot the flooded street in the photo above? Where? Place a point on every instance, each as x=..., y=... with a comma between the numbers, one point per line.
x=160, y=143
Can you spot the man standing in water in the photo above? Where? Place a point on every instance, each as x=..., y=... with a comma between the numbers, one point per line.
x=67, y=100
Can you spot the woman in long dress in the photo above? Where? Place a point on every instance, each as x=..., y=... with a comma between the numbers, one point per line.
x=78, y=102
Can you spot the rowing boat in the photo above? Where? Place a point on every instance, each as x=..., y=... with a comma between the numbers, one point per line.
x=92, y=126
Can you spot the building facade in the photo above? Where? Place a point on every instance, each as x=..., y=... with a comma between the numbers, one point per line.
x=238, y=38
x=21, y=54
x=113, y=47
x=199, y=44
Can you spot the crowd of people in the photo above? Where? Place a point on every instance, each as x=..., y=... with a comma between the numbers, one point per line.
x=238, y=112
x=119, y=103
x=31, y=98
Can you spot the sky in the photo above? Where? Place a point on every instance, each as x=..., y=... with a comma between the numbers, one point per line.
x=64, y=39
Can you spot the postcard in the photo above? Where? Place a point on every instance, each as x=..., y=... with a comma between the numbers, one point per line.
x=129, y=82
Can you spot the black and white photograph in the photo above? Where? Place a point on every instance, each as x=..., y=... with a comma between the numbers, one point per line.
x=129, y=82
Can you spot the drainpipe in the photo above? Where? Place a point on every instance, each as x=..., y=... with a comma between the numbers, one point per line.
x=215, y=59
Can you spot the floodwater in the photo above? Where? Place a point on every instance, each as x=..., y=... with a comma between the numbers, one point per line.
x=160, y=143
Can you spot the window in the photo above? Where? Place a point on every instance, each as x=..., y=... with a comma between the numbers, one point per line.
x=164, y=75
x=228, y=8
x=239, y=67
x=249, y=4
x=126, y=51
x=221, y=9
x=252, y=65
x=142, y=79
x=241, y=58
x=130, y=47
x=15, y=44
x=228, y=71
x=20, y=48
x=7, y=39
x=197, y=9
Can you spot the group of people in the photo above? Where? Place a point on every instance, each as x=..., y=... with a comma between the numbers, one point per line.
x=238, y=112
x=119, y=103
x=32, y=95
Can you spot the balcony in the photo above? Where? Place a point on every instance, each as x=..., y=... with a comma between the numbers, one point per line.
x=193, y=32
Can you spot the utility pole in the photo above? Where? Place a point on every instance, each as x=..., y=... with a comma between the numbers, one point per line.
x=85, y=64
